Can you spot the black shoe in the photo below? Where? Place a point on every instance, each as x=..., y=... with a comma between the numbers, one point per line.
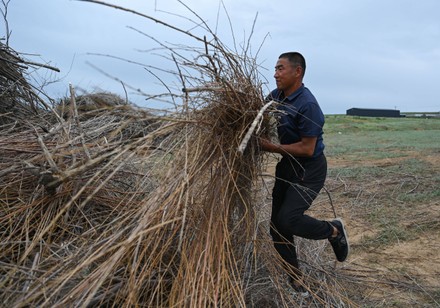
x=340, y=242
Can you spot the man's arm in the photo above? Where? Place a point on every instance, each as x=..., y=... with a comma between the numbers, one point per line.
x=303, y=148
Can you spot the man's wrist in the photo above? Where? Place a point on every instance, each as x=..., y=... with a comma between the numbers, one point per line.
x=276, y=148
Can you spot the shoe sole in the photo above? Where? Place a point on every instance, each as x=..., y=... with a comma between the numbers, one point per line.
x=346, y=236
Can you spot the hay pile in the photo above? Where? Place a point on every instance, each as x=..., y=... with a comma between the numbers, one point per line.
x=18, y=97
x=112, y=205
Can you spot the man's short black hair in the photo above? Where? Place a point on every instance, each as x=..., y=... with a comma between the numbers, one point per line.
x=295, y=58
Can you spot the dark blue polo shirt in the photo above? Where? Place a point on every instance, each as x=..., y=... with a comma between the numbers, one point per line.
x=299, y=115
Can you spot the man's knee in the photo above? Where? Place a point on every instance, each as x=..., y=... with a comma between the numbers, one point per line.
x=289, y=225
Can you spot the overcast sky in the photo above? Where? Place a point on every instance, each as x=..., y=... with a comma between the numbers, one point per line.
x=370, y=53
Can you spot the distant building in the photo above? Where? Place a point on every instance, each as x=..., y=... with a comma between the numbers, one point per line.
x=366, y=112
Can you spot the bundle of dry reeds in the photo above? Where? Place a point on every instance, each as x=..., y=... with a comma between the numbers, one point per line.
x=117, y=206
x=18, y=96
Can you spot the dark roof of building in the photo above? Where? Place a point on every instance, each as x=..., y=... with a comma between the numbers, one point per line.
x=357, y=108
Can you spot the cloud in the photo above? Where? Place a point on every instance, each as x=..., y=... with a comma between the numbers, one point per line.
x=369, y=53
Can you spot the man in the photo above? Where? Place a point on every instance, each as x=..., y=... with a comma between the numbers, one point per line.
x=301, y=172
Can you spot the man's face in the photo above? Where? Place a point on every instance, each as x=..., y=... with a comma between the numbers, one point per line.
x=287, y=76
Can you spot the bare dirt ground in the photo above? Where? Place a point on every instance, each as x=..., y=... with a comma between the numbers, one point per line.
x=393, y=219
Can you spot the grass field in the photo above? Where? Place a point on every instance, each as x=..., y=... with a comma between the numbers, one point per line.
x=384, y=179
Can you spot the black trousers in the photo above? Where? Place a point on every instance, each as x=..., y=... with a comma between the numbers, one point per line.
x=297, y=184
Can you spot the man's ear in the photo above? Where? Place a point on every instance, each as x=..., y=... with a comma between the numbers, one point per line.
x=298, y=71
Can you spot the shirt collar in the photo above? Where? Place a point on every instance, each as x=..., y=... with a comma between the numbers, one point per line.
x=295, y=94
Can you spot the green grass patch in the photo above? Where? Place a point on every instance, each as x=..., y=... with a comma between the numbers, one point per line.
x=360, y=138
x=410, y=167
x=342, y=123
x=386, y=219
x=422, y=196
x=389, y=235
x=356, y=172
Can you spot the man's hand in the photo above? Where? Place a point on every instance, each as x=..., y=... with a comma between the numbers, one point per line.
x=267, y=145
x=304, y=148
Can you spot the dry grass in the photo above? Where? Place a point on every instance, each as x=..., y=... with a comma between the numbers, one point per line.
x=111, y=205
